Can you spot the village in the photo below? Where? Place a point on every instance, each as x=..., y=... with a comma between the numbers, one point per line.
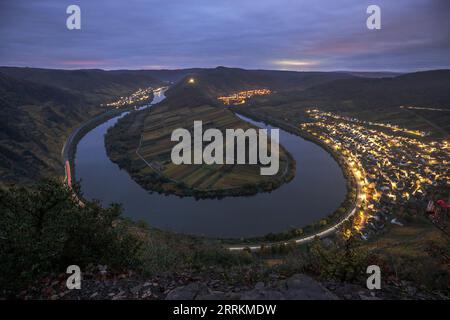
x=394, y=165
x=140, y=96
x=242, y=96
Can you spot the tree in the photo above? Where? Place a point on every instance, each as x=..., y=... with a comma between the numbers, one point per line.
x=345, y=260
x=45, y=229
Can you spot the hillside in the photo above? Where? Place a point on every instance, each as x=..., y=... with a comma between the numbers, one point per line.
x=163, y=74
x=221, y=80
x=96, y=86
x=373, y=99
x=39, y=108
x=430, y=88
x=32, y=117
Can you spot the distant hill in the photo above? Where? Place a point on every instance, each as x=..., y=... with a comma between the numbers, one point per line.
x=163, y=75
x=372, y=99
x=369, y=74
x=429, y=88
x=95, y=85
x=221, y=80
x=211, y=83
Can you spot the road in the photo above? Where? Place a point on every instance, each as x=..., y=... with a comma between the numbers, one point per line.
x=65, y=151
x=303, y=240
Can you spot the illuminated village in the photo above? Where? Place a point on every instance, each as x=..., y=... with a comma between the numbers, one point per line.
x=391, y=164
x=139, y=96
x=242, y=96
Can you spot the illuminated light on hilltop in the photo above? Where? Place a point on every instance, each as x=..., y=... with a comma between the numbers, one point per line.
x=191, y=81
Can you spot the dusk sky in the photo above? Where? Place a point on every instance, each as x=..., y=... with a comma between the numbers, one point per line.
x=255, y=34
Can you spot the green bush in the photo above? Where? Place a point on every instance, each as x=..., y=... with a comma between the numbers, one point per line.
x=159, y=258
x=218, y=257
x=44, y=230
x=345, y=260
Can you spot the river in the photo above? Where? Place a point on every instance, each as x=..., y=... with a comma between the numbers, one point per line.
x=317, y=189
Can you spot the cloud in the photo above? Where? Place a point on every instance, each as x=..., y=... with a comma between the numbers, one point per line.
x=295, y=64
x=293, y=34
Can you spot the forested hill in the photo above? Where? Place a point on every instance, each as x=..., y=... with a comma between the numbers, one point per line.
x=97, y=86
x=427, y=88
x=221, y=80
x=39, y=108
x=419, y=100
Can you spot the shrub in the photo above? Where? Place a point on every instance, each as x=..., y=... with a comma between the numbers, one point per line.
x=346, y=260
x=218, y=257
x=44, y=230
x=160, y=257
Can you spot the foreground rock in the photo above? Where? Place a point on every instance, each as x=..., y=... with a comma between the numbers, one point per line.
x=298, y=287
x=188, y=286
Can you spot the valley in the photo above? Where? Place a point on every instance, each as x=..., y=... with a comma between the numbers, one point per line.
x=327, y=185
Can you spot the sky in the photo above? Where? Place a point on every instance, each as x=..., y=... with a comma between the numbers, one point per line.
x=302, y=35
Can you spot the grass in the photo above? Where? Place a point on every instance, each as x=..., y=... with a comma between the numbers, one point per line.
x=417, y=252
x=409, y=241
x=164, y=251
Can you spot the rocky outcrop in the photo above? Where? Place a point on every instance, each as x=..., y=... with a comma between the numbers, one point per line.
x=297, y=287
x=186, y=286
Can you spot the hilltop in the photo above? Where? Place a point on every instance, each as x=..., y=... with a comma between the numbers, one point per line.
x=222, y=80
